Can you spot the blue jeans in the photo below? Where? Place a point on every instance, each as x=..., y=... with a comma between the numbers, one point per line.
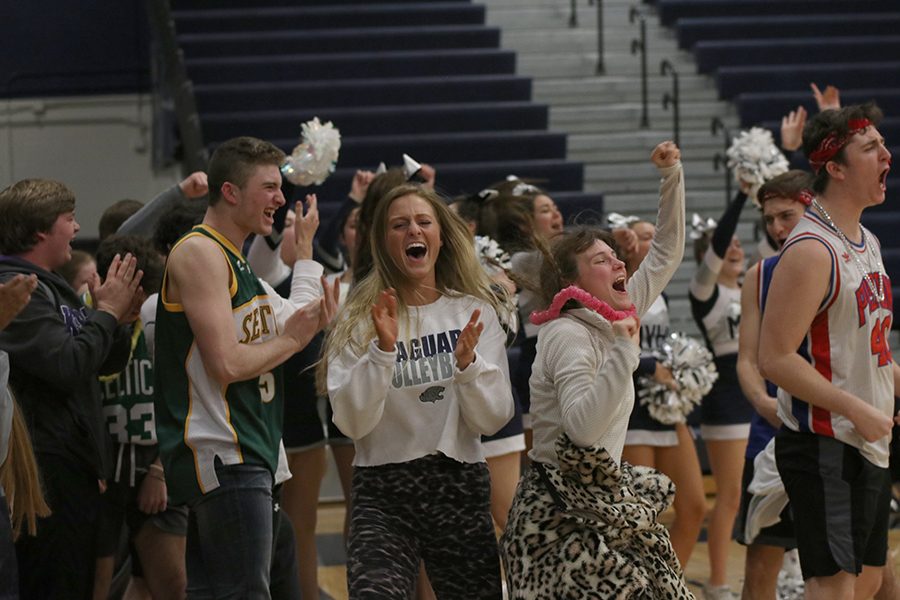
x=229, y=538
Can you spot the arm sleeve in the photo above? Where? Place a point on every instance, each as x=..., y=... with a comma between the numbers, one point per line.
x=358, y=388
x=265, y=260
x=327, y=249
x=703, y=283
x=667, y=248
x=305, y=287
x=646, y=366
x=483, y=388
x=148, y=321
x=728, y=224
x=144, y=221
x=40, y=342
x=588, y=392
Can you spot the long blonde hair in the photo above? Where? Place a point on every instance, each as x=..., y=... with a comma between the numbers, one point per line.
x=20, y=478
x=458, y=272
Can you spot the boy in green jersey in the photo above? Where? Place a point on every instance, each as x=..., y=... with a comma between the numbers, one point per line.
x=221, y=334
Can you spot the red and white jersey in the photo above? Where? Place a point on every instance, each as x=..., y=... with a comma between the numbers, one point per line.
x=847, y=342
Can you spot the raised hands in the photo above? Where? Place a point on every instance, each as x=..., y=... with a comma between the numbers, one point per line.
x=384, y=316
x=360, y=185
x=792, y=129
x=468, y=339
x=119, y=294
x=626, y=241
x=305, y=226
x=665, y=155
x=194, y=185
x=14, y=295
x=830, y=99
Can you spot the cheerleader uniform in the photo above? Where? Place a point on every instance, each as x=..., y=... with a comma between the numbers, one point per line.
x=725, y=412
x=643, y=429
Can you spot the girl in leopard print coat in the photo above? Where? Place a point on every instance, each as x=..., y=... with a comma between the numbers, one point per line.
x=583, y=525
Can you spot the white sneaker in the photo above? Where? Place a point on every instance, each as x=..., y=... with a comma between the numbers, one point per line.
x=790, y=579
x=718, y=592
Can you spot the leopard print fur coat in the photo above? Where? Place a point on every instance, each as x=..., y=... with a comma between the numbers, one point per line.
x=589, y=529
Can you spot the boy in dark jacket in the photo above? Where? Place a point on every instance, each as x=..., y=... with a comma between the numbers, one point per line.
x=57, y=347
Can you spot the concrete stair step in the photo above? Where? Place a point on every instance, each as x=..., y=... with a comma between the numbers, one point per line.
x=626, y=117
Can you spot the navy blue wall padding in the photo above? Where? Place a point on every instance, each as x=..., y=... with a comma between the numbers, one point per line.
x=387, y=120
x=56, y=48
x=330, y=17
x=249, y=43
x=347, y=65
x=711, y=55
x=671, y=10
x=693, y=30
x=327, y=95
x=475, y=146
x=757, y=107
x=732, y=81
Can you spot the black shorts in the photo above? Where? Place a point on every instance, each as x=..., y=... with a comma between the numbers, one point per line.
x=119, y=506
x=841, y=503
x=780, y=534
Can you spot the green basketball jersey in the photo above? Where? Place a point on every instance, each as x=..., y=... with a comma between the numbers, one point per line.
x=199, y=420
x=128, y=396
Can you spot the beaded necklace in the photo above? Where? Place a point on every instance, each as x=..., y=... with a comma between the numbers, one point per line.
x=877, y=291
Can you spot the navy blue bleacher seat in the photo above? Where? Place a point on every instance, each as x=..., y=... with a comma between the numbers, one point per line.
x=714, y=54
x=747, y=27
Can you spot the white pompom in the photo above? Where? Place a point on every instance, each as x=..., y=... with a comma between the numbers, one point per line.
x=754, y=158
x=692, y=368
x=315, y=157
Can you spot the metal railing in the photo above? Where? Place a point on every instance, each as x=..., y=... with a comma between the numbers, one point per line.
x=720, y=159
x=672, y=99
x=640, y=46
x=573, y=22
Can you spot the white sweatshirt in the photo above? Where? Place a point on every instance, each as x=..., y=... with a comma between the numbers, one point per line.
x=402, y=405
x=581, y=380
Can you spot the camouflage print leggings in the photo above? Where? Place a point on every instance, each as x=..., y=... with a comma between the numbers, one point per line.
x=432, y=508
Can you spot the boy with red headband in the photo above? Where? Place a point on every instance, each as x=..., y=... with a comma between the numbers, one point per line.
x=824, y=343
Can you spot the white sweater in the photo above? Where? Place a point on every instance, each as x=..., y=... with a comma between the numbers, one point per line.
x=581, y=379
x=402, y=405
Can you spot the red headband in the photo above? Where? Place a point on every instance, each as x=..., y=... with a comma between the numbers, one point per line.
x=804, y=196
x=832, y=144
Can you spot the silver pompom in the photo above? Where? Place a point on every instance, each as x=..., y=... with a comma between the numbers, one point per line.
x=694, y=372
x=754, y=158
x=315, y=157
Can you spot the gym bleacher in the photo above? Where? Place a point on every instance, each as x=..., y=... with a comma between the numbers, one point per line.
x=426, y=78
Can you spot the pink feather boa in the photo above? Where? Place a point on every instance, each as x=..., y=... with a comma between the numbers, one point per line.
x=573, y=292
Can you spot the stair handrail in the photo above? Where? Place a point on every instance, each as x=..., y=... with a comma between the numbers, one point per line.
x=720, y=159
x=639, y=45
x=672, y=99
x=171, y=84
x=601, y=63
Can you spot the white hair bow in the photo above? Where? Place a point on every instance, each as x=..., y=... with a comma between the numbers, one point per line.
x=700, y=227
x=616, y=221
